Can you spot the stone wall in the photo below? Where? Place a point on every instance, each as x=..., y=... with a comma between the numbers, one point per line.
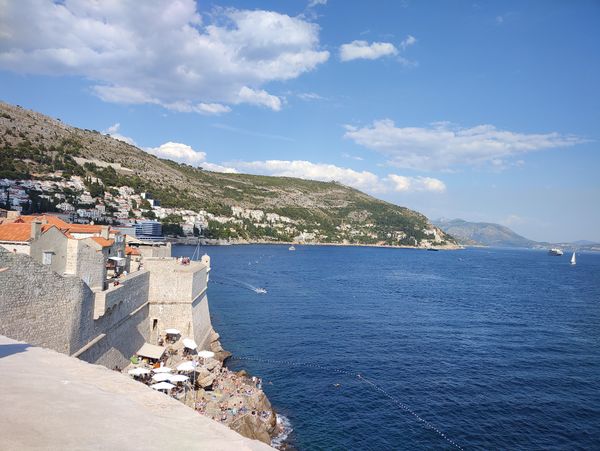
x=91, y=265
x=178, y=299
x=20, y=248
x=41, y=307
x=201, y=320
x=53, y=241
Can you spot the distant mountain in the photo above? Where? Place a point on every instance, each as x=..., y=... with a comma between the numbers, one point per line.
x=483, y=233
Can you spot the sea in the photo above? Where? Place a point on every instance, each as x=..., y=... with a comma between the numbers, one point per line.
x=402, y=349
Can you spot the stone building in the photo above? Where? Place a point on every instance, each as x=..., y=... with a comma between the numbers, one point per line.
x=66, y=295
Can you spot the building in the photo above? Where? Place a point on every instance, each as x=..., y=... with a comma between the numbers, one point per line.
x=148, y=230
x=83, y=296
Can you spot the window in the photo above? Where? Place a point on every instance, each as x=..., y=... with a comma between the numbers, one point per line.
x=47, y=258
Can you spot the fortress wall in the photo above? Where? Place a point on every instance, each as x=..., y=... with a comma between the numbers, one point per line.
x=41, y=307
x=121, y=342
x=202, y=323
x=124, y=322
x=171, y=315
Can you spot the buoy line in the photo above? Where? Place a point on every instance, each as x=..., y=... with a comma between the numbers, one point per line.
x=361, y=378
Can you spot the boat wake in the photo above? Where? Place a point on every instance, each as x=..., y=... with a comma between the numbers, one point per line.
x=285, y=426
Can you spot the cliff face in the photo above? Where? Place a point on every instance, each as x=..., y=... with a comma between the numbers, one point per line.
x=34, y=145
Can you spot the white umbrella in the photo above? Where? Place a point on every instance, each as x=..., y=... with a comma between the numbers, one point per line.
x=162, y=369
x=138, y=372
x=187, y=366
x=189, y=343
x=206, y=354
x=162, y=386
x=161, y=377
x=177, y=377
x=172, y=332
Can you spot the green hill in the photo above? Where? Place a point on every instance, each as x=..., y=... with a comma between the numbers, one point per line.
x=36, y=146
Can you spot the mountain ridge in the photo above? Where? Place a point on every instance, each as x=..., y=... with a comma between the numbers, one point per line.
x=33, y=145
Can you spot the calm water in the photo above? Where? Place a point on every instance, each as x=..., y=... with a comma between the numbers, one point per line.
x=498, y=349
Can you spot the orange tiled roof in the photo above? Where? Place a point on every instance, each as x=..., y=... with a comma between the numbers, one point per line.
x=132, y=251
x=82, y=228
x=18, y=231
x=48, y=219
x=103, y=241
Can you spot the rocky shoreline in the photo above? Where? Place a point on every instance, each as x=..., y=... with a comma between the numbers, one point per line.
x=235, y=399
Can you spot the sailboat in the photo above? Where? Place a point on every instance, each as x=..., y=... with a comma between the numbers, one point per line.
x=573, y=261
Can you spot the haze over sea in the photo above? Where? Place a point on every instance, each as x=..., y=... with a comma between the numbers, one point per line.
x=498, y=349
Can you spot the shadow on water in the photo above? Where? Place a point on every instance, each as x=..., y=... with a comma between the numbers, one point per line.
x=10, y=349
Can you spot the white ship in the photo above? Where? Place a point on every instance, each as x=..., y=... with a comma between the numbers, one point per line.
x=573, y=259
x=555, y=251
x=291, y=248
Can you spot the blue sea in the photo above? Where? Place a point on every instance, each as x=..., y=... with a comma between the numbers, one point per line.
x=476, y=348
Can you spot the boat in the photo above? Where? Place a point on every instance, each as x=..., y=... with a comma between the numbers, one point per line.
x=573, y=260
x=555, y=251
x=291, y=248
x=433, y=249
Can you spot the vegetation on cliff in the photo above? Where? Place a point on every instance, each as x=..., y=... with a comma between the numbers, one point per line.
x=36, y=146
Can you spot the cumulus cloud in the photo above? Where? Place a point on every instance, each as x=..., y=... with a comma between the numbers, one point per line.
x=186, y=154
x=160, y=52
x=443, y=145
x=113, y=131
x=362, y=180
x=402, y=183
x=364, y=50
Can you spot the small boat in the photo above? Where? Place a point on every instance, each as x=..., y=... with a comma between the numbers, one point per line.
x=433, y=249
x=573, y=260
x=555, y=251
x=291, y=248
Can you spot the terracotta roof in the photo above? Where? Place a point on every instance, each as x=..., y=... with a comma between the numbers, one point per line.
x=18, y=231
x=82, y=228
x=132, y=251
x=47, y=219
x=103, y=241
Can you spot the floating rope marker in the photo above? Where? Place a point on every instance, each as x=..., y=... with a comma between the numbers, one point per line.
x=359, y=377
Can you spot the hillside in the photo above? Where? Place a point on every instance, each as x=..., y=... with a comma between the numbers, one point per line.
x=483, y=233
x=35, y=146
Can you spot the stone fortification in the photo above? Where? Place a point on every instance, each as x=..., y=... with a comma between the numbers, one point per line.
x=62, y=313
x=177, y=296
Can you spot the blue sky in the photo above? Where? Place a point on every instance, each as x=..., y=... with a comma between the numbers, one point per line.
x=487, y=111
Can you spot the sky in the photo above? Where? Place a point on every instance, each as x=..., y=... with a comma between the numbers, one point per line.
x=484, y=111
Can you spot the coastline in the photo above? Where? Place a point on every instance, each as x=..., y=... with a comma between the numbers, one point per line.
x=185, y=241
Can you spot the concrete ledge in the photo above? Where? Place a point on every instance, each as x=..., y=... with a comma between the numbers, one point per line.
x=55, y=402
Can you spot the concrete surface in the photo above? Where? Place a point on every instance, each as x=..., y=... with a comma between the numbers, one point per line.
x=52, y=401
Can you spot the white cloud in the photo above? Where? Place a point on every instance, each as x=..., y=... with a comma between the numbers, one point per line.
x=402, y=183
x=255, y=97
x=178, y=152
x=313, y=3
x=410, y=40
x=186, y=154
x=113, y=131
x=364, y=50
x=160, y=52
x=308, y=96
x=442, y=145
x=362, y=180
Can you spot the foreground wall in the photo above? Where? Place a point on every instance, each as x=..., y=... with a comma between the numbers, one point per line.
x=58, y=312
x=39, y=306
